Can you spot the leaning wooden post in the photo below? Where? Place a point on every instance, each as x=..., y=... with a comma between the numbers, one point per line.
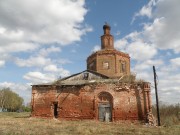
x=156, y=93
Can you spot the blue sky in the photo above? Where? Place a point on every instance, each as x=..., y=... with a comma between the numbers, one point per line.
x=42, y=40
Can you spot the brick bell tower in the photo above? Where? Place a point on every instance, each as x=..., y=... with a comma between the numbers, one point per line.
x=108, y=61
x=107, y=40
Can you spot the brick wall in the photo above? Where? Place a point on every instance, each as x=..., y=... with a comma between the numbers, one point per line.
x=129, y=102
x=114, y=59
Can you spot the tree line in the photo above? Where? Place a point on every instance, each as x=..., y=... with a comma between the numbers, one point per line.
x=10, y=101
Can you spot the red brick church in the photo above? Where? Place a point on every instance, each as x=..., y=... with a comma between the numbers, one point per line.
x=106, y=91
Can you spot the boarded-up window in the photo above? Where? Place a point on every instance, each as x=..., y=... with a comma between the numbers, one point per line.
x=106, y=65
x=105, y=41
x=111, y=42
x=92, y=65
x=122, y=66
x=86, y=75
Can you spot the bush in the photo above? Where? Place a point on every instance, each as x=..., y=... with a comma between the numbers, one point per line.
x=169, y=114
x=27, y=109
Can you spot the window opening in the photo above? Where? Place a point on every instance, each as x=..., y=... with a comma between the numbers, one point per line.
x=105, y=65
x=86, y=75
x=122, y=66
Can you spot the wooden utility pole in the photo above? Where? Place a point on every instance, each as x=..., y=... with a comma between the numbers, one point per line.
x=156, y=93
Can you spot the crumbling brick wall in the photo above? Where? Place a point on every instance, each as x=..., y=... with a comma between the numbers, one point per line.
x=129, y=101
x=42, y=98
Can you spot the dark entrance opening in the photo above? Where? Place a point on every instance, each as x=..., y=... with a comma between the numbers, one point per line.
x=55, y=110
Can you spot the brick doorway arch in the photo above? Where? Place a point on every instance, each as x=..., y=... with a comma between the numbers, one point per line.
x=105, y=106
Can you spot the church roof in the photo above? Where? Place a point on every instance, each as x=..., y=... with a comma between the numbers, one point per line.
x=109, y=51
x=87, y=76
x=84, y=77
x=96, y=74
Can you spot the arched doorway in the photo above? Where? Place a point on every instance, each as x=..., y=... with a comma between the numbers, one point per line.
x=105, y=106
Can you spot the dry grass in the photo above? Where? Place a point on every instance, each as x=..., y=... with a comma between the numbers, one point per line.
x=22, y=124
x=169, y=114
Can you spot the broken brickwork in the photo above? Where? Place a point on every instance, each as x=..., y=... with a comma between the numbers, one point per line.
x=129, y=102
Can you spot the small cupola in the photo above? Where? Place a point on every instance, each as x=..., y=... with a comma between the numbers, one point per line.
x=106, y=29
x=107, y=40
x=108, y=61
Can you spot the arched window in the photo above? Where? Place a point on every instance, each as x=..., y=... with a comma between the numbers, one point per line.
x=122, y=66
x=105, y=107
x=105, y=97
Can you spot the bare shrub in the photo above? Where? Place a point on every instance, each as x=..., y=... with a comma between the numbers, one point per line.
x=169, y=114
x=128, y=78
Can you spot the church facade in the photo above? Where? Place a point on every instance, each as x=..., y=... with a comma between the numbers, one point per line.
x=105, y=91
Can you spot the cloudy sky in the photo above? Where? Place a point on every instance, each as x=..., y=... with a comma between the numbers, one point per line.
x=42, y=40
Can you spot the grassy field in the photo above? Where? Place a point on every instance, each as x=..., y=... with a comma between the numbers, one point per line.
x=22, y=124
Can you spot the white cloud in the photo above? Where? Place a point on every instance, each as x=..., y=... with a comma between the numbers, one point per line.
x=47, y=51
x=120, y=44
x=8, y=35
x=62, y=73
x=167, y=84
x=33, y=61
x=146, y=10
x=4, y=57
x=41, y=58
x=24, y=90
x=38, y=77
x=165, y=30
x=2, y=63
x=44, y=22
x=147, y=65
x=18, y=47
x=175, y=61
x=52, y=74
x=133, y=36
x=25, y=25
x=96, y=48
x=136, y=46
x=2, y=30
x=46, y=69
x=146, y=76
x=141, y=51
x=55, y=70
x=153, y=44
x=51, y=68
